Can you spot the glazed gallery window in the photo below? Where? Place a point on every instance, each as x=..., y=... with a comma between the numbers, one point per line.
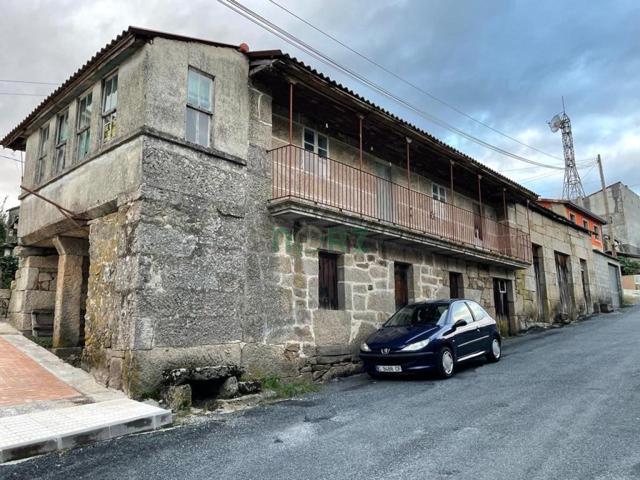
x=62, y=135
x=43, y=148
x=316, y=151
x=199, y=107
x=84, y=126
x=109, y=107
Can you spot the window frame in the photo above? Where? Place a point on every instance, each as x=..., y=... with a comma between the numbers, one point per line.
x=308, y=154
x=81, y=129
x=43, y=150
x=109, y=117
x=596, y=232
x=60, y=145
x=572, y=218
x=437, y=192
x=199, y=109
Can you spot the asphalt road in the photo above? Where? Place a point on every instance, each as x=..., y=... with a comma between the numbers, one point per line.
x=564, y=404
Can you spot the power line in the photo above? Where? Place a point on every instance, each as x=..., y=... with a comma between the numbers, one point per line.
x=25, y=94
x=12, y=158
x=28, y=81
x=291, y=39
x=409, y=83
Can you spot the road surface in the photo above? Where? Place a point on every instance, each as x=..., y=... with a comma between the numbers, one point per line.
x=563, y=404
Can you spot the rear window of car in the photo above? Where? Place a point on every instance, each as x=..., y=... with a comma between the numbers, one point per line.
x=478, y=312
x=427, y=314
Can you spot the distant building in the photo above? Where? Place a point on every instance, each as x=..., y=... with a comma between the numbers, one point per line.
x=624, y=206
x=11, y=229
x=582, y=217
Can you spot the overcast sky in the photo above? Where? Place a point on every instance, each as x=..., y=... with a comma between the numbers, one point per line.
x=504, y=62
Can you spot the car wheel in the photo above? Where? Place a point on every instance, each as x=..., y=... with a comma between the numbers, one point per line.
x=446, y=364
x=495, y=351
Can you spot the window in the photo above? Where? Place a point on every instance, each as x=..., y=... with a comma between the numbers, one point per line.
x=328, y=281
x=439, y=192
x=316, y=148
x=109, y=107
x=84, y=126
x=572, y=217
x=43, y=148
x=596, y=232
x=199, y=107
x=585, y=224
x=62, y=134
x=427, y=314
x=477, y=310
x=460, y=311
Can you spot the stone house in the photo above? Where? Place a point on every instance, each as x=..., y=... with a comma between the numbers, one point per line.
x=190, y=203
x=625, y=216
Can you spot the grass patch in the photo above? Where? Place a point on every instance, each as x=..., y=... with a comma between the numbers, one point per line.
x=288, y=389
x=42, y=341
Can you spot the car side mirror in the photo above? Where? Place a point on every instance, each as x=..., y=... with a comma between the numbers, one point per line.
x=459, y=323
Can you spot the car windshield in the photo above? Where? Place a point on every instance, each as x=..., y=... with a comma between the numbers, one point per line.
x=426, y=314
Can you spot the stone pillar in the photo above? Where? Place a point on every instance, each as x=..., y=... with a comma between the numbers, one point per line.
x=69, y=291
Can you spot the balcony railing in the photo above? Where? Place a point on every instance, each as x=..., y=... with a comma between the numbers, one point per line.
x=301, y=174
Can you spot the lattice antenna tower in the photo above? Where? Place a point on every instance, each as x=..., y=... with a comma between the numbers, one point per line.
x=572, y=188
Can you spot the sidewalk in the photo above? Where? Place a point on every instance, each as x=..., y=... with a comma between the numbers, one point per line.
x=46, y=404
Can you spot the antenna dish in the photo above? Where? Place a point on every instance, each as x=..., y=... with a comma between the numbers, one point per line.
x=556, y=123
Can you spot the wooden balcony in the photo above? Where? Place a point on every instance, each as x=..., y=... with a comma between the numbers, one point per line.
x=307, y=185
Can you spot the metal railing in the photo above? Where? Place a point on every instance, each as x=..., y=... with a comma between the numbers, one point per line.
x=302, y=174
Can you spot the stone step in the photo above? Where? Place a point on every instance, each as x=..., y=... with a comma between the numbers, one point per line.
x=46, y=431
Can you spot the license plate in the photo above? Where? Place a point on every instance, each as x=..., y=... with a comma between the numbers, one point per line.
x=388, y=368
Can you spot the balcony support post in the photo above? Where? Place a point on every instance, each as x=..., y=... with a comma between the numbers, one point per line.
x=360, y=118
x=480, y=193
x=504, y=203
x=453, y=198
x=290, y=133
x=409, y=178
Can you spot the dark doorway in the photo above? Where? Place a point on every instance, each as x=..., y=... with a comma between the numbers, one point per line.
x=328, y=280
x=501, y=300
x=538, y=269
x=401, y=276
x=562, y=271
x=584, y=275
x=455, y=285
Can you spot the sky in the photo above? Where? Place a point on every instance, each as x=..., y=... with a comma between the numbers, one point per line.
x=506, y=63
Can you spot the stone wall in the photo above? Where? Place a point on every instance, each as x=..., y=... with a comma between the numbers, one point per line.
x=553, y=235
x=34, y=287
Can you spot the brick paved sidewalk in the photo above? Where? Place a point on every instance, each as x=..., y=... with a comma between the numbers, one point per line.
x=23, y=380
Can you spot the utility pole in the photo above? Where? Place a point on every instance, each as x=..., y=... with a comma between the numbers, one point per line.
x=606, y=208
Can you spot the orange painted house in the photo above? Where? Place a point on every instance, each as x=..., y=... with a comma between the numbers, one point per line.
x=580, y=216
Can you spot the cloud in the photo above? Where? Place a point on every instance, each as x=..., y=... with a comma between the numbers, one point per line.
x=504, y=62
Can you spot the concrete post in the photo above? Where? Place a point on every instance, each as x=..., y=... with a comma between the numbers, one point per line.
x=69, y=292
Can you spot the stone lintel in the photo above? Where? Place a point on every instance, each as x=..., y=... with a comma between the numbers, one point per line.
x=71, y=246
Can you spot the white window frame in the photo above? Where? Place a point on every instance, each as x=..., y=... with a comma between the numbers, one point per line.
x=438, y=192
x=81, y=129
x=60, y=152
x=109, y=116
x=322, y=159
x=200, y=109
x=43, y=150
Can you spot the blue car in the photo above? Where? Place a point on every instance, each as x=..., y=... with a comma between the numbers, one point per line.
x=433, y=335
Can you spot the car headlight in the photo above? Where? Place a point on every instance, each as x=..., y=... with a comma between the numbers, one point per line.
x=412, y=347
x=364, y=347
